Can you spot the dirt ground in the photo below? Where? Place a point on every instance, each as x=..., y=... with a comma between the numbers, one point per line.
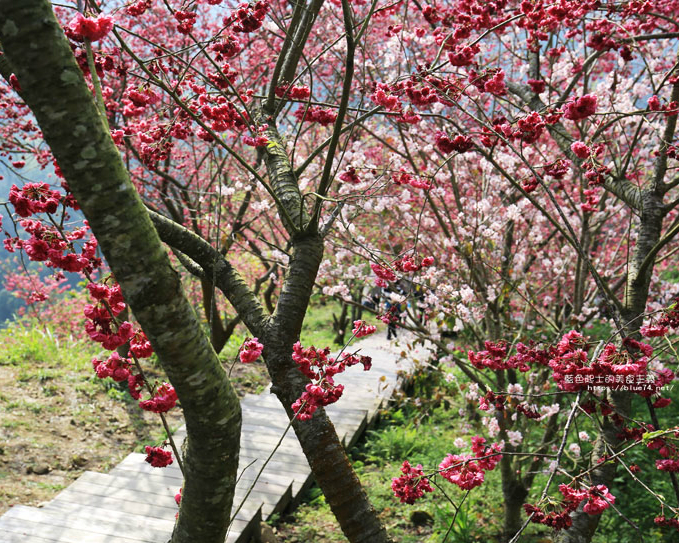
x=56, y=424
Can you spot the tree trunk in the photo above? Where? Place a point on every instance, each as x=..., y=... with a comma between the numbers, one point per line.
x=339, y=324
x=634, y=305
x=329, y=463
x=514, y=494
x=55, y=90
x=218, y=333
x=318, y=438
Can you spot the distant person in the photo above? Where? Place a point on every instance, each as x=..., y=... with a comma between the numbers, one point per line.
x=393, y=305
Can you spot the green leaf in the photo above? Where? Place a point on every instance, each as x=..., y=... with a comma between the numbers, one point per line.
x=650, y=436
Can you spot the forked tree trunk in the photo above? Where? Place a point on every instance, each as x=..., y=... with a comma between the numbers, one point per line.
x=55, y=90
x=329, y=462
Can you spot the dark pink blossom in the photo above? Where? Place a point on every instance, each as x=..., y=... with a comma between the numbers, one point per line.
x=580, y=108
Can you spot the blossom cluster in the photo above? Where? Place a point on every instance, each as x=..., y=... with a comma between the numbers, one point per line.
x=456, y=144
x=164, y=399
x=404, y=178
x=597, y=498
x=362, y=329
x=406, y=264
x=53, y=244
x=350, y=176
x=247, y=17
x=158, y=457
x=115, y=367
x=316, y=114
x=662, y=520
x=411, y=485
x=250, y=350
x=321, y=368
x=494, y=357
x=101, y=325
x=468, y=471
x=82, y=28
x=296, y=92
x=614, y=367
x=34, y=198
x=46, y=242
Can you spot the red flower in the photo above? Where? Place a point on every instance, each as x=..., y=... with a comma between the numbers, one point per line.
x=296, y=93
x=315, y=114
x=81, y=28
x=138, y=8
x=654, y=330
x=383, y=273
x=537, y=86
x=654, y=103
x=250, y=350
x=411, y=485
x=580, y=108
x=116, y=367
x=362, y=329
x=580, y=149
x=459, y=143
x=158, y=458
x=383, y=97
x=350, y=176
x=668, y=464
x=140, y=345
x=164, y=400
x=599, y=499
x=14, y=82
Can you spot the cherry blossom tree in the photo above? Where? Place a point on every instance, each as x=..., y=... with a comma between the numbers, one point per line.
x=508, y=166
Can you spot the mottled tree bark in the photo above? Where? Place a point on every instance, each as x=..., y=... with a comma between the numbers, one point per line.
x=318, y=438
x=55, y=90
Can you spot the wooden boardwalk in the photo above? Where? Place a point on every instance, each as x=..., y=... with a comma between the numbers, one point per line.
x=134, y=502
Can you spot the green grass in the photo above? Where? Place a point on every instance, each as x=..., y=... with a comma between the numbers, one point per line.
x=378, y=459
x=48, y=486
x=26, y=344
x=317, y=329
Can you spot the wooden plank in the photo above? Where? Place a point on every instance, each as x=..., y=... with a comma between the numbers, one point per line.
x=126, y=507
x=256, y=417
x=92, y=494
x=164, y=500
x=12, y=537
x=164, y=504
x=63, y=534
x=134, y=466
x=141, y=498
x=113, y=525
x=266, y=416
x=137, y=468
x=273, y=496
x=140, y=484
x=270, y=502
x=96, y=513
x=351, y=411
